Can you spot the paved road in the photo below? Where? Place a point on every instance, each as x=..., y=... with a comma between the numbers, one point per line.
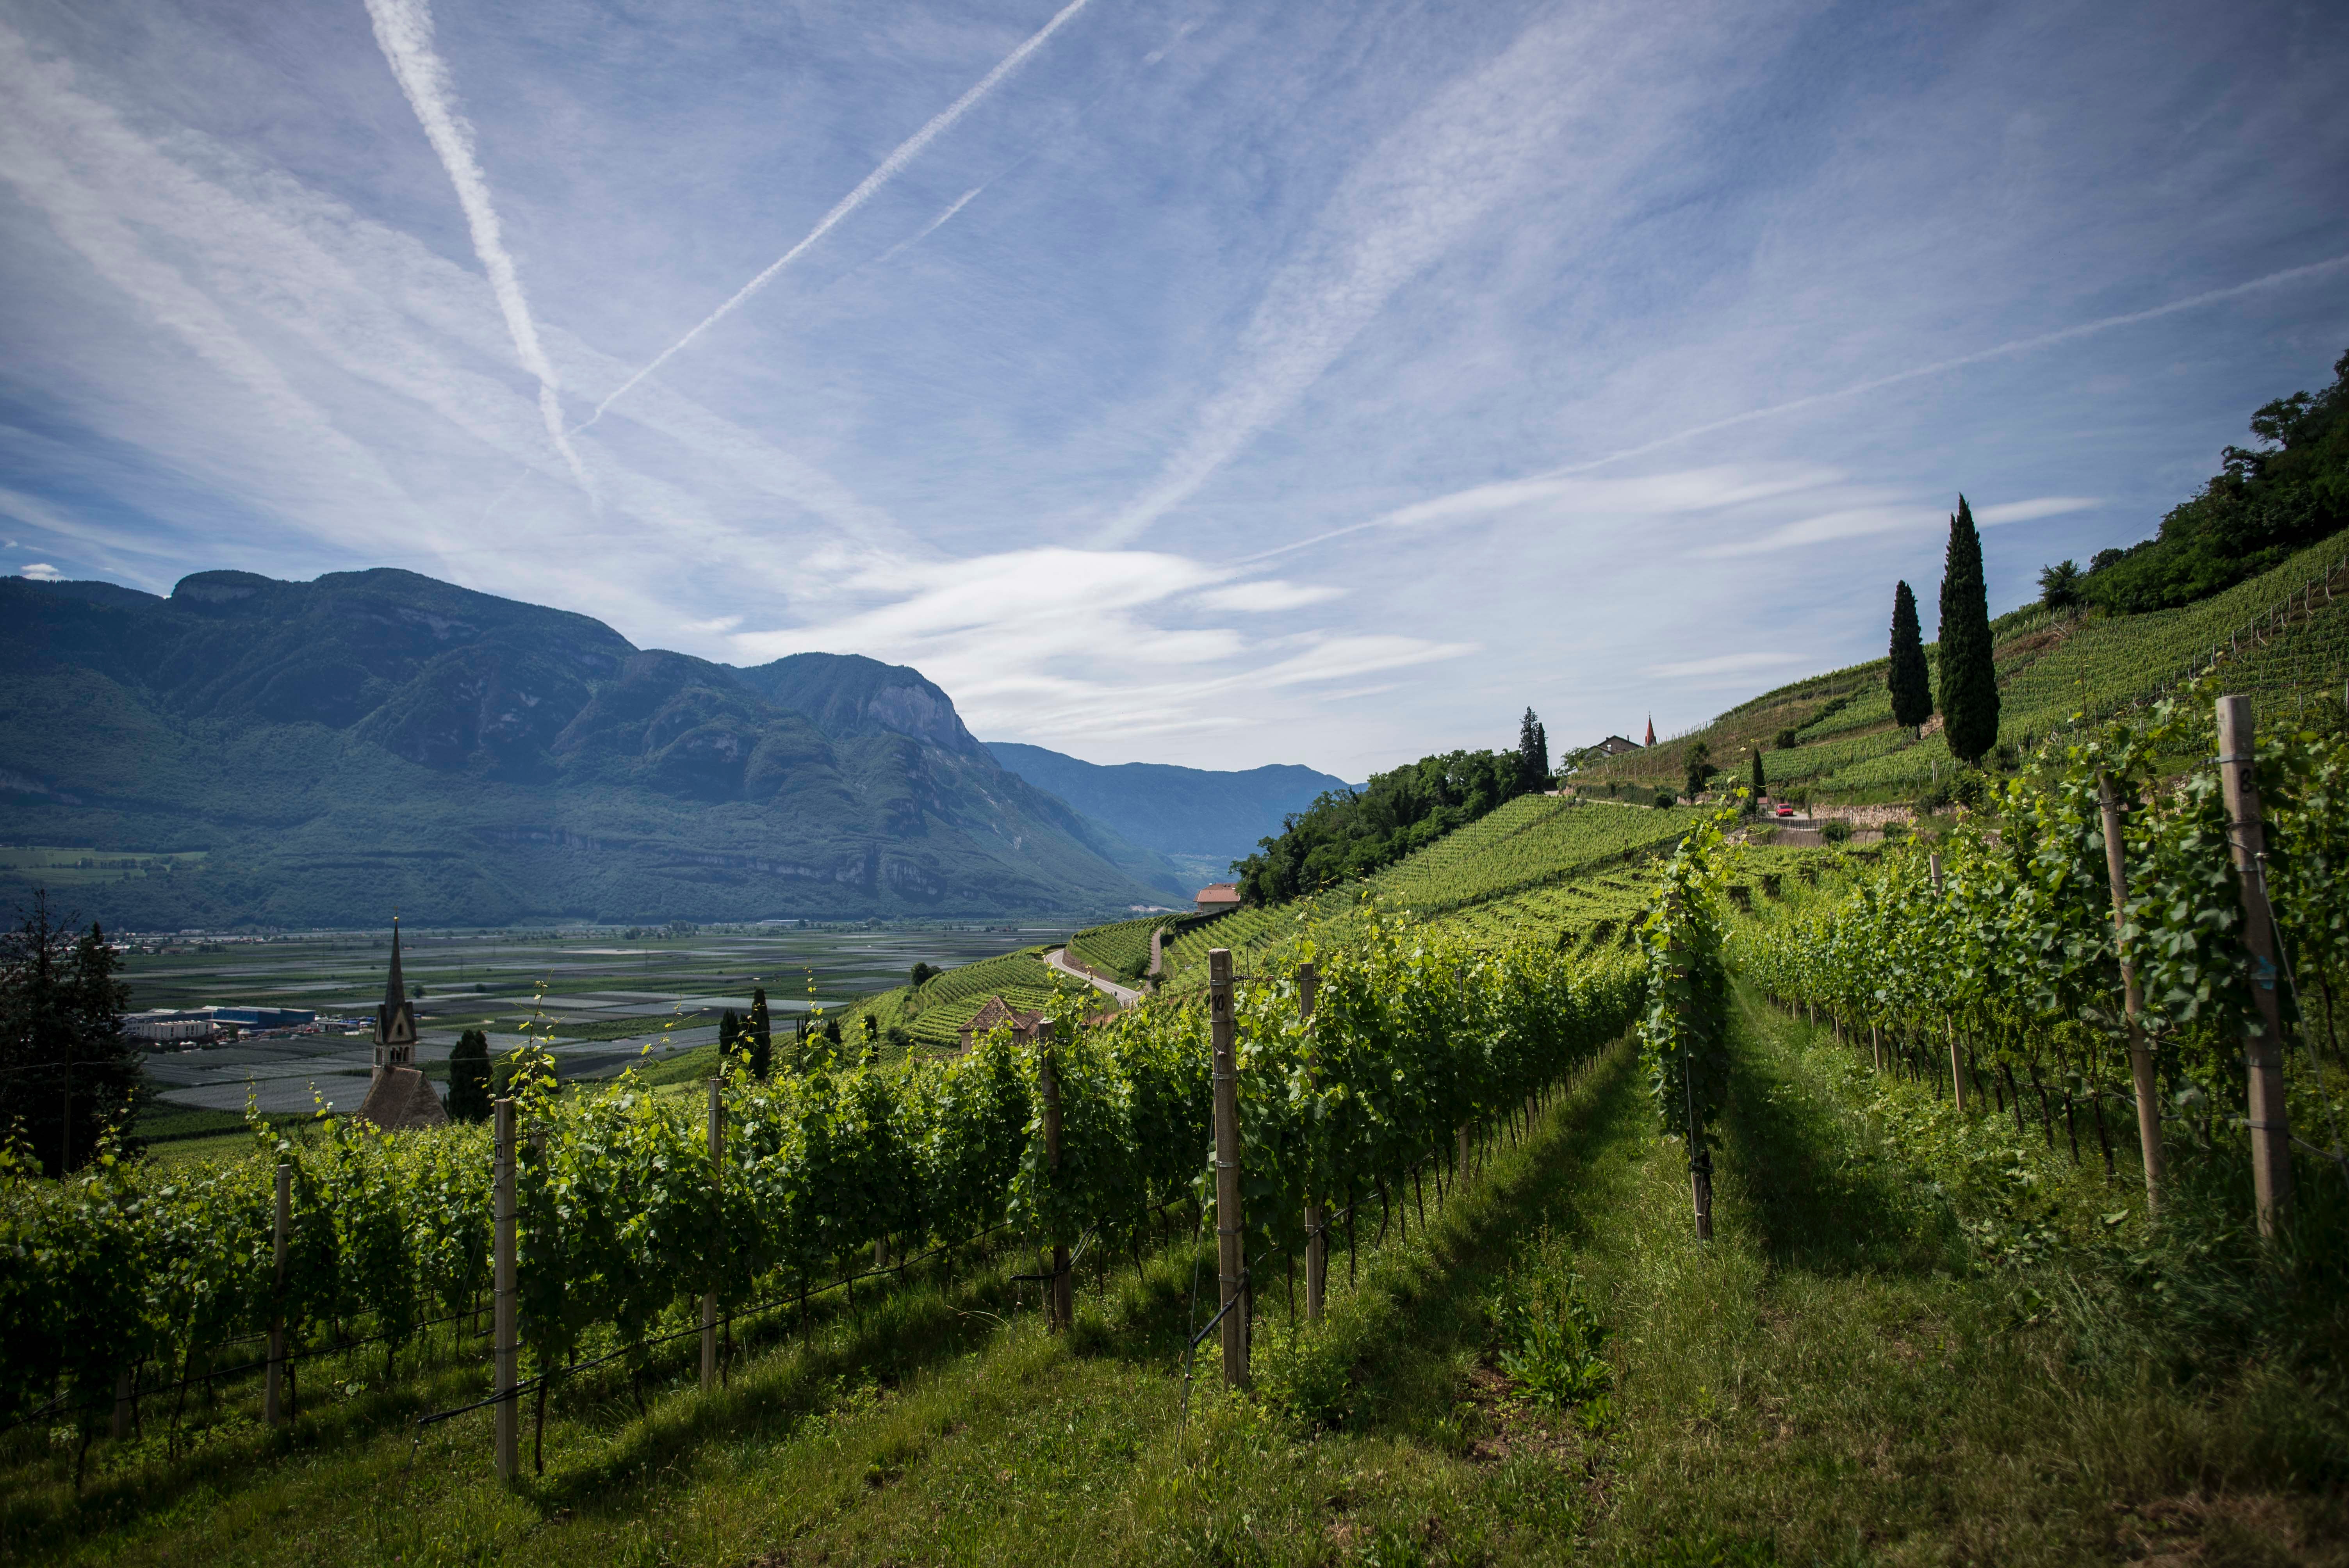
x=1058, y=959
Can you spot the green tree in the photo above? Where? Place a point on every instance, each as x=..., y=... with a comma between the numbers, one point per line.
x=761, y=1036
x=1969, y=678
x=2059, y=586
x=68, y=1073
x=729, y=1035
x=1912, y=693
x=1701, y=768
x=1533, y=755
x=1758, y=784
x=469, y=1077
x=922, y=974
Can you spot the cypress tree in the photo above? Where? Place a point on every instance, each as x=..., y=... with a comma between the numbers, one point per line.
x=1533, y=755
x=1912, y=695
x=729, y=1035
x=1969, y=678
x=469, y=1077
x=1757, y=786
x=761, y=1038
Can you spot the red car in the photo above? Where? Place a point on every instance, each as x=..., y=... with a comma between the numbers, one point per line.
x=1786, y=810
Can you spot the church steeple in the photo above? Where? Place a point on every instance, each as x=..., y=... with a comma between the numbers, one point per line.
x=1650, y=741
x=395, y=1021
x=394, y=992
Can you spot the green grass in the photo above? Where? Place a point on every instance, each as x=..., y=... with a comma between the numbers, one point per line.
x=1835, y=1379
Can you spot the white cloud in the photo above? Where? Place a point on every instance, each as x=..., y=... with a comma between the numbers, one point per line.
x=2032, y=510
x=1726, y=665
x=1592, y=94
x=41, y=572
x=1268, y=595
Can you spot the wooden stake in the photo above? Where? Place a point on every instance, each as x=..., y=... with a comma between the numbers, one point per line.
x=2263, y=1042
x=273, y=1398
x=1231, y=1256
x=710, y=1297
x=504, y=1318
x=1060, y=1303
x=2148, y=1100
x=1956, y=1066
x=1317, y=1213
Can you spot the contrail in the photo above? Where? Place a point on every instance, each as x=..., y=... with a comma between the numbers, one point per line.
x=931, y=227
x=890, y=167
x=403, y=30
x=2018, y=346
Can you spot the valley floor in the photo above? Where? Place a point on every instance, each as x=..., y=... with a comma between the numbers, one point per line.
x=1829, y=1381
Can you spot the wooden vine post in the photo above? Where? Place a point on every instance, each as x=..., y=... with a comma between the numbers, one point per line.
x=1949, y=1023
x=2148, y=1102
x=1059, y=1290
x=2263, y=1040
x=716, y=1176
x=505, y=1347
x=273, y=1398
x=1316, y=1212
x=1231, y=1236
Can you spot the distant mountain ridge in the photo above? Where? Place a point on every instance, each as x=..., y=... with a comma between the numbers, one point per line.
x=1201, y=819
x=379, y=739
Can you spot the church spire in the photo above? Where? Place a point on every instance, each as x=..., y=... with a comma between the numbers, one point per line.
x=395, y=956
x=394, y=992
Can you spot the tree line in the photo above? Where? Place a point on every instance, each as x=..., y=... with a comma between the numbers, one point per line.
x=2265, y=503
x=1349, y=833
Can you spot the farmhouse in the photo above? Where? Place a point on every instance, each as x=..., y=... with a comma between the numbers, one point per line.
x=1217, y=897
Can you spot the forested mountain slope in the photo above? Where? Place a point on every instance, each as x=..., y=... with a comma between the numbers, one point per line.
x=1204, y=819
x=380, y=740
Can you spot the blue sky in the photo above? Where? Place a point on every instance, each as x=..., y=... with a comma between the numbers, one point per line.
x=1195, y=382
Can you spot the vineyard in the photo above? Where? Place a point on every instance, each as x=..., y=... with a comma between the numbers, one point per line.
x=1533, y=842
x=934, y=1014
x=1122, y=950
x=2286, y=634
x=1587, y=1129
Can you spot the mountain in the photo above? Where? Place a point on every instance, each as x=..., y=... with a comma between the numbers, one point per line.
x=378, y=740
x=1201, y=820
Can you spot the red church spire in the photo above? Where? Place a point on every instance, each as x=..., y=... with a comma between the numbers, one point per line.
x=1652, y=731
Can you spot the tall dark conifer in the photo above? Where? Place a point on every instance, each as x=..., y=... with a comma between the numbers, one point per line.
x=759, y=1035
x=1533, y=755
x=1969, y=678
x=1913, y=691
x=1758, y=786
x=68, y=1073
x=469, y=1077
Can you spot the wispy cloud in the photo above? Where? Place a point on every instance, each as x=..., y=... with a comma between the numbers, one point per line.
x=40, y=571
x=1726, y=665
x=1860, y=522
x=1479, y=140
x=403, y=31
x=887, y=170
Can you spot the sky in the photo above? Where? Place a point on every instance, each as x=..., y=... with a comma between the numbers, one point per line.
x=1169, y=380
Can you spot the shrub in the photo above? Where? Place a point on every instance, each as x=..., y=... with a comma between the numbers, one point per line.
x=1835, y=830
x=1664, y=800
x=1548, y=1337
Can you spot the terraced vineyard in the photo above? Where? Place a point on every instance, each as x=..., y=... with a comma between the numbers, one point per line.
x=2284, y=637
x=1123, y=949
x=1503, y=861
x=936, y=1015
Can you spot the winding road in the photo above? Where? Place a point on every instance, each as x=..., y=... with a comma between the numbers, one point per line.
x=1058, y=959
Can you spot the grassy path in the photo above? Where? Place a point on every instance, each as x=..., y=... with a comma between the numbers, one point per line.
x=1827, y=1382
